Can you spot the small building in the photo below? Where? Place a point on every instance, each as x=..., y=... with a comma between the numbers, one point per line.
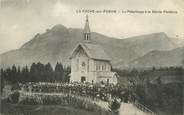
x=90, y=63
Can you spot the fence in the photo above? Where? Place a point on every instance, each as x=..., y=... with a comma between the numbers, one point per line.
x=144, y=108
x=63, y=99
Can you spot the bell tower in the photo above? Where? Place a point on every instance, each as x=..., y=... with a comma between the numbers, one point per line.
x=86, y=31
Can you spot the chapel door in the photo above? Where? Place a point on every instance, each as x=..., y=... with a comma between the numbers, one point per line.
x=83, y=79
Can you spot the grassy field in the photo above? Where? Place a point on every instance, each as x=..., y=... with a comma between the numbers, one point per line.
x=14, y=109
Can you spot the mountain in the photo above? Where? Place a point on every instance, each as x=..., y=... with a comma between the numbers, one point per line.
x=57, y=43
x=145, y=43
x=173, y=57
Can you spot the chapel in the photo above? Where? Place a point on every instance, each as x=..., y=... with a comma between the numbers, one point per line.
x=89, y=61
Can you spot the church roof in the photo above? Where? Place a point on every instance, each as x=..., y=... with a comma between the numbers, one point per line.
x=93, y=50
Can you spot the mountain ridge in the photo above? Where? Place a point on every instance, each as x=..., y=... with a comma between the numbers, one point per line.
x=157, y=58
x=56, y=44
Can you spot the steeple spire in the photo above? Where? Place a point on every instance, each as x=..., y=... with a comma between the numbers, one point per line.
x=86, y=30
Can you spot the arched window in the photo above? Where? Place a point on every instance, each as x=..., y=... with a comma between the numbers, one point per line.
x=77, y=65
x=87, y=37
x=107, y=81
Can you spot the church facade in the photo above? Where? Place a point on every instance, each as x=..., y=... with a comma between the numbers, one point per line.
x=90, y=63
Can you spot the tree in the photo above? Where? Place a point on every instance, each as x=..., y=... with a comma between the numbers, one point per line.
x=59, y=72
x=18, y=74
x=37, y=72
x=40, y=73
x=33, y=72
x=2, y=79
x=67, y=74
x=25, y=74
x=48, y=72
x=14, y=74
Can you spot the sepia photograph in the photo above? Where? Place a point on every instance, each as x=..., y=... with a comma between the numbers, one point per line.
x=92, y=57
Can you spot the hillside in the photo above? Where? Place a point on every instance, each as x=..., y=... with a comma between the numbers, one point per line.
x=57, y=43
x=160, y=59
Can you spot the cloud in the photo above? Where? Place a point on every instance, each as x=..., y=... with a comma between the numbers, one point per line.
x=60, y=8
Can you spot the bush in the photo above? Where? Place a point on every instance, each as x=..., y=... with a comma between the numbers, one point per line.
x=114, y=106
x=14, y=98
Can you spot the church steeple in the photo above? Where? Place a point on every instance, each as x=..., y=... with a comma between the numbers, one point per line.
x=86, y=31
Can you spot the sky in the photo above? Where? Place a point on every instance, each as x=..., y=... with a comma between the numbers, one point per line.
x=21, y=20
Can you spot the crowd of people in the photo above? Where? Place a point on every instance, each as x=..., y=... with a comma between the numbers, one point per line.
x=93, y=97
x=105, y=92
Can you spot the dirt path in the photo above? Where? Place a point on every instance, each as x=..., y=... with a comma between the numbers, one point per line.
x=130, y=109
